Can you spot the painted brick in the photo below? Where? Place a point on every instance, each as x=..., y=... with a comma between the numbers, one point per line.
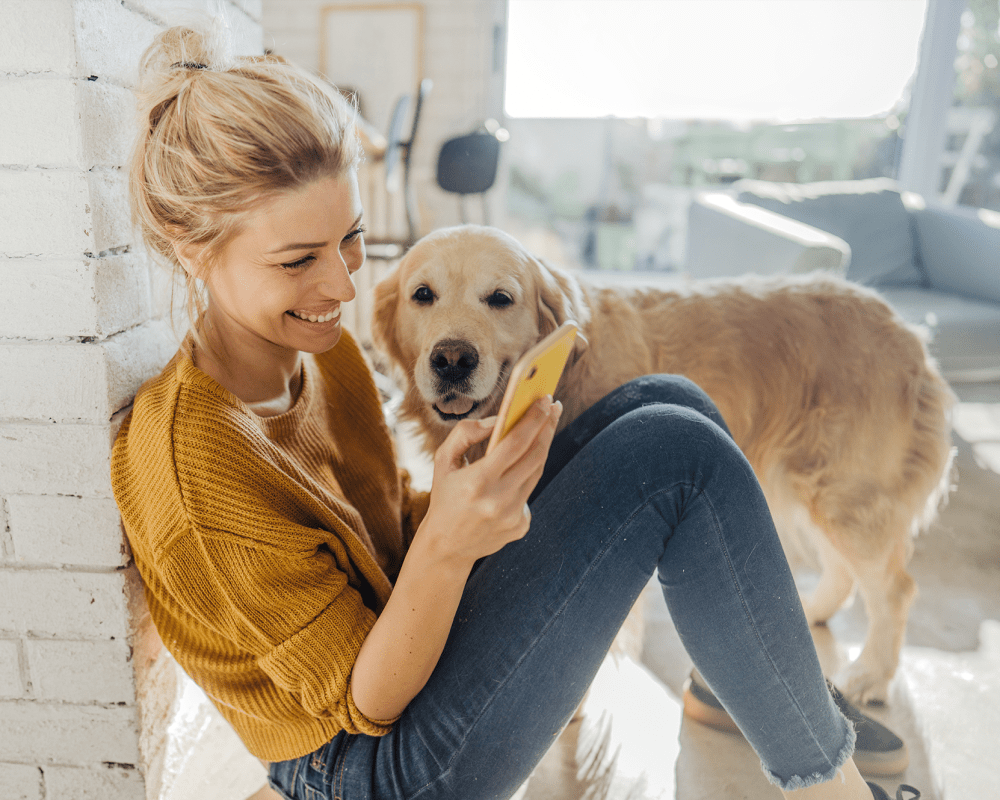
x=80, y=382
x=52, y=298
x=46, y=299
x=62, y=212
x=122, y=292
x=39, y=124
x=6, y=544
x=53, y=382
x=252, y=8
x=110, y=212
x=107, y=120
x=242, y=17
x=45, y=212
x=11, y=685
x=133, y=357
x=110, y=39
x=57, y=530
x=53, y=120
x=21, y=782
x=179, y=12
x=80, y=672
x=100, y=783
x=47, y=733
x=39, y=458
x=37, y=36
x=63, y=604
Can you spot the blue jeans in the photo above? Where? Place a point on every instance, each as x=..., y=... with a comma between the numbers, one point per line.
x=646, y=480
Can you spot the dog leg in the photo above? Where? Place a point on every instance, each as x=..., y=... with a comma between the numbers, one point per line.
x=888, y=591
x=836, y=583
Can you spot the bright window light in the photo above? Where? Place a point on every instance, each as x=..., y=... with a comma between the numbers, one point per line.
x=737, y=60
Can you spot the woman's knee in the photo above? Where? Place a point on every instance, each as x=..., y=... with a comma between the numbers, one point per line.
x=680, y=433
x=671, y=389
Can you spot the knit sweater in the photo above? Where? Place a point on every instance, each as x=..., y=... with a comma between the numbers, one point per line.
x=267, y=545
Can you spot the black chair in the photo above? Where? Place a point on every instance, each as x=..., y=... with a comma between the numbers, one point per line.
x=468, y=165
x=397, y=174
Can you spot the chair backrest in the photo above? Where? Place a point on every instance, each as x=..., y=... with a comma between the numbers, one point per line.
x=468, y=164
x=394, y=151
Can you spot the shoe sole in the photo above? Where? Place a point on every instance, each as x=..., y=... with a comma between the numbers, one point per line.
x=871, y=764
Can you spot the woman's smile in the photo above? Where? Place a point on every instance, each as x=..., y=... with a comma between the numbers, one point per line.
x=314, y=317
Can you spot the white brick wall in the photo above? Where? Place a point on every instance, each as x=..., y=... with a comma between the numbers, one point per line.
x=21, y=782
x=44, y=530
x=80, y=330
x=11, y=685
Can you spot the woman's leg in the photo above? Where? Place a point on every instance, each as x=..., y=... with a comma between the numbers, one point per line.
x=659, y=488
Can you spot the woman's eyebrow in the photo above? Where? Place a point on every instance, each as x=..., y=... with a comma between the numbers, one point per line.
x=303, y=246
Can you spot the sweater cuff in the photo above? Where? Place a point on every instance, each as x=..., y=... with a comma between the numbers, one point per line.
x=367, y=725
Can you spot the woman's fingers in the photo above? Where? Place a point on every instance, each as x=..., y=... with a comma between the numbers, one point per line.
x=451, y=453
x=521, y=438
x=476, y=509
x=522, y=475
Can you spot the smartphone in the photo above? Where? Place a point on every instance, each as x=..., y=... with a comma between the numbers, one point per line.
x=535, y=375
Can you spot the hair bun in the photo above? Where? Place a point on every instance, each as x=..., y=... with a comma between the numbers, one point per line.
x=173, y=56
x=187, y=47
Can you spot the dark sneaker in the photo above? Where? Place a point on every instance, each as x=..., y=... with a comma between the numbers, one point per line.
x=881, y=794
x=878, y=752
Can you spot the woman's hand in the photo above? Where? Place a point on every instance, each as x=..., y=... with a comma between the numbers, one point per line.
x=475, y=509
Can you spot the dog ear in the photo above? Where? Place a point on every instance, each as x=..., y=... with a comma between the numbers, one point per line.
x=386, y=299
x=551, y=300
x=559, y=299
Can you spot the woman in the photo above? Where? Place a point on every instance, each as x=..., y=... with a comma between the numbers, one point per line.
x=371, y=641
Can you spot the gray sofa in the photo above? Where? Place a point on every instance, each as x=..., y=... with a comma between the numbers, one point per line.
x=938, y=266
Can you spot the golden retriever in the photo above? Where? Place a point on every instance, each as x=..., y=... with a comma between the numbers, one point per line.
x=832, y=397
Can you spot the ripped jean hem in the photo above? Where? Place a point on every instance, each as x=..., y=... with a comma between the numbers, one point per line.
x=799, y=782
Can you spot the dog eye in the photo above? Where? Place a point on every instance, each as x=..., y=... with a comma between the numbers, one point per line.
x=423, y=295
x=499, y=299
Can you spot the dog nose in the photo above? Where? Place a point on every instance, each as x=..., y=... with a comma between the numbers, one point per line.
x=454, y=361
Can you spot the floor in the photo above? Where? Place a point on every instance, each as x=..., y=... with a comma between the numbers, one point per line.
x=630, y=741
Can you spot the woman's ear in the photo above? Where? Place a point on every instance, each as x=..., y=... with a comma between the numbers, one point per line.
x=190, y=258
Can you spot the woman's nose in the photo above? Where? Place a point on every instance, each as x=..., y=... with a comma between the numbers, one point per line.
x=336, y=278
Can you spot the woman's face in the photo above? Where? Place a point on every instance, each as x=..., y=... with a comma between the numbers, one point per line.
x=280, y=283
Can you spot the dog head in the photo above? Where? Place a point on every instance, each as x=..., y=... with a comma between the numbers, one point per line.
x=455, y=315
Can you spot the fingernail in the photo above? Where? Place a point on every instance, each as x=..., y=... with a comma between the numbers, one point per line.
x=488, y=422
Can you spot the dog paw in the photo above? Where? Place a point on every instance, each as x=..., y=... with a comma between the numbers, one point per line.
x=863, y=687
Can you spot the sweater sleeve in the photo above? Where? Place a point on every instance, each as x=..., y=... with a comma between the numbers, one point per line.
x=296, y=614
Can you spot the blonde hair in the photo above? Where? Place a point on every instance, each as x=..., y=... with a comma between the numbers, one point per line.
x=220, y=135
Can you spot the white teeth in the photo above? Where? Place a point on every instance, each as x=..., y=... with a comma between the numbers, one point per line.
x=314, y=318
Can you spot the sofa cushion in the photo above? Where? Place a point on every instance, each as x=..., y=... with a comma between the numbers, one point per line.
x=868, y=214
x=960, y=250
x=965, y=333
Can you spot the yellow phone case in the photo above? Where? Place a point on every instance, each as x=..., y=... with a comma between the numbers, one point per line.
x=535, y=375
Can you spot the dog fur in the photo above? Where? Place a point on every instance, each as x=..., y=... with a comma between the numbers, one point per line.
x=832, y=397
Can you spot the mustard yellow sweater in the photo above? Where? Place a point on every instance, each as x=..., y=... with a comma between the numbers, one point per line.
x=267, y=545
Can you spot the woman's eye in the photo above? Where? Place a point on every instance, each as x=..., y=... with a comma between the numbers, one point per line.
x=423, y=295
x=354, y=235
x=300, y=263
x=499, y=299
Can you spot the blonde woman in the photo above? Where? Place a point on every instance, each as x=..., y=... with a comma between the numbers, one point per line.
x=367, y=640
